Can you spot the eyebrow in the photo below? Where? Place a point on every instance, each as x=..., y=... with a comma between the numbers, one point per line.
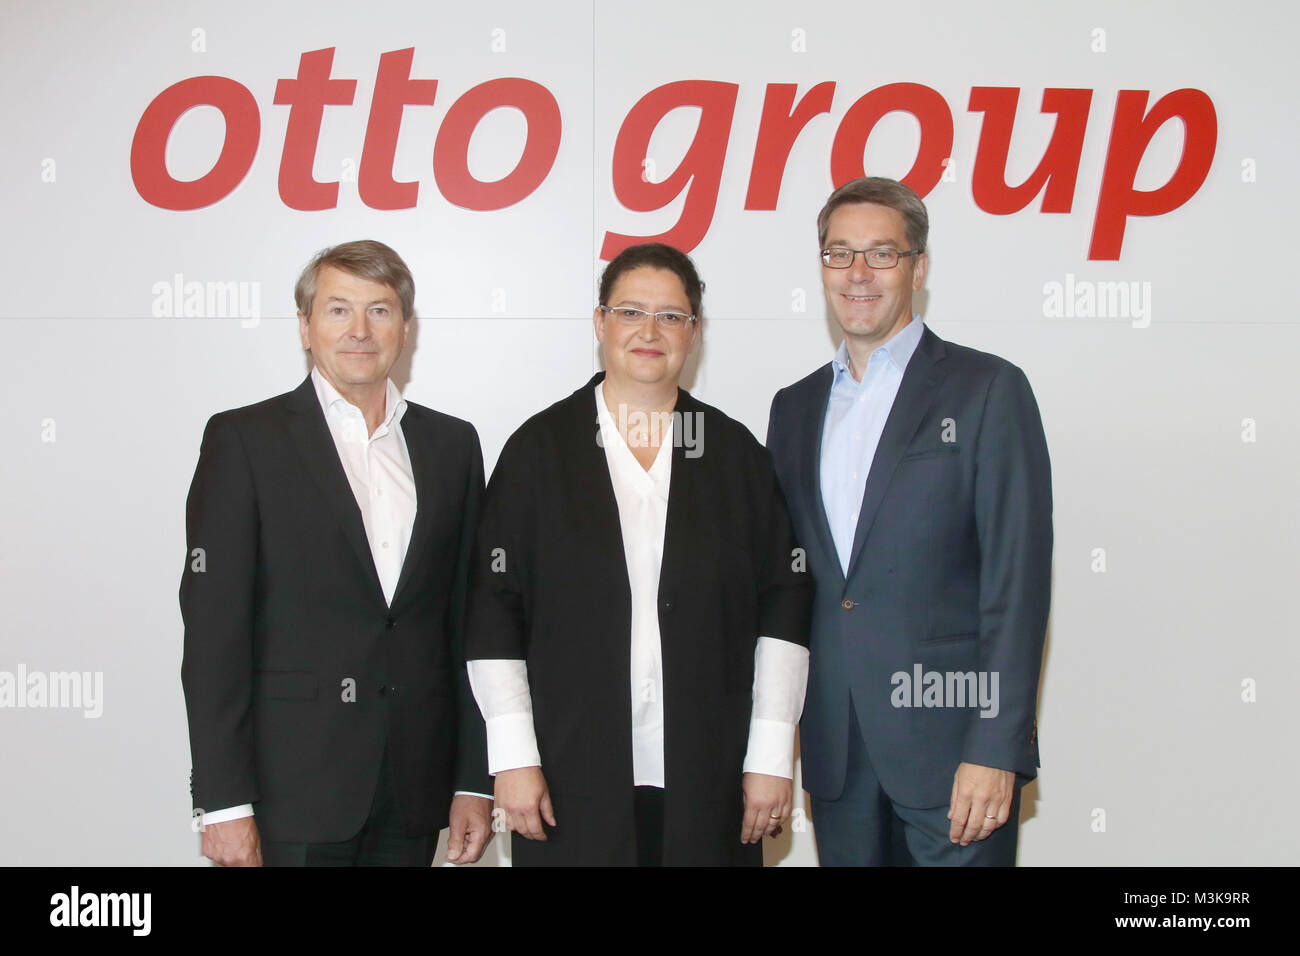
x=873, y=243
x=384, y=301
x=634, y=304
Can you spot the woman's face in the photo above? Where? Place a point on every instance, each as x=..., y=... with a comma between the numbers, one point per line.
x=648, y=353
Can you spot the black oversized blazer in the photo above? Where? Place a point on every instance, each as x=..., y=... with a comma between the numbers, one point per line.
x=296, y=672
x=550, y=586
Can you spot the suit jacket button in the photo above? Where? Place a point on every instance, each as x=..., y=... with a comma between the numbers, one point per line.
x=847, y=604
x=390, y=623
x=668, y=605
x=382, y=690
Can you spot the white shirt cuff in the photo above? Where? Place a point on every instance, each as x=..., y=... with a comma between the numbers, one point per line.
x=501, y=689
x=226, y=815
x=780, y=683
x=512, y=743
x=771, y=748
x=471, y=793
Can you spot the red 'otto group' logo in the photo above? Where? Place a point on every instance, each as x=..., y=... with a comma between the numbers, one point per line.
x=700, y=171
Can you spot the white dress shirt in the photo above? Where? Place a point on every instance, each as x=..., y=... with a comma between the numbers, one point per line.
x=378, y=468
x=780, y=670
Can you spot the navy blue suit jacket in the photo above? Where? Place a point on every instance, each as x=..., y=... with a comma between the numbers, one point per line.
x=951, y=571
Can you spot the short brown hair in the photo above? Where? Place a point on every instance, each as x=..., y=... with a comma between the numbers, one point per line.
x=882, y=192
x=365, y=259
x=655, y=255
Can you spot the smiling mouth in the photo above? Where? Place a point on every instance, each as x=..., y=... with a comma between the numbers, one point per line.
x=861, y=298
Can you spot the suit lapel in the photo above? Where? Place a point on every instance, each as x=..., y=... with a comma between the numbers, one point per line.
x=311, y=435
x=681, y=519
x=915, y=396
x=811, y=473
x=591, y=482
x=420, y=446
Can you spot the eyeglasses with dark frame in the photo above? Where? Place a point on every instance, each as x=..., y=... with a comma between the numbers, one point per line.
x=880, y=257
x=630, y=316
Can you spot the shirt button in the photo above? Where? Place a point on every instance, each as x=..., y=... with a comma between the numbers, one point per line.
x=854, y=476
x=384, y=545
x=379, y=492
x=857, y=436
x=847, y=604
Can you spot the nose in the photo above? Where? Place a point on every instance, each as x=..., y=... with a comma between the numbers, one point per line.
x=859, y=271
x=359, y=328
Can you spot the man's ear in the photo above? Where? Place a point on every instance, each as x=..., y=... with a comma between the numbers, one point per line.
x=919, y=270
x=302, y=332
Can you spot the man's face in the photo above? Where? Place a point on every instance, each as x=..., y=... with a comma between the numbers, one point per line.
x=871, y=305
x=647, y=353
x=355, y=331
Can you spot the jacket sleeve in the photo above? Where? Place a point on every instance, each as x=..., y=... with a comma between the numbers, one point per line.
x=217, y=594
x=1013, y=520
x=496, y=627
x=786, y=588
x=471, y=752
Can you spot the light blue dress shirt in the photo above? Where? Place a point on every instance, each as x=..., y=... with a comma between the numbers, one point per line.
x=855, y=419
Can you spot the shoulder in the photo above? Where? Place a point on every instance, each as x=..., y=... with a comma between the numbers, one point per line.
x=440, y=423
x=256, y=414
x=976, y=362
x=554, y=428
x=808, y=386
x=978, y=371
x=714, y=428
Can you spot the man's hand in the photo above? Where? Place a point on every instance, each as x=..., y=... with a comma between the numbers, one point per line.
x=233, y=843
x=470, y=830
x=522, y=794
x=768, y=801
x=980, y=803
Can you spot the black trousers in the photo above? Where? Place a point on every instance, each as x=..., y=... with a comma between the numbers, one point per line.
x=380, y=841
x=648, y=808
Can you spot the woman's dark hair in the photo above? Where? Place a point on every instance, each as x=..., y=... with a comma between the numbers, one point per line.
x=655, y=255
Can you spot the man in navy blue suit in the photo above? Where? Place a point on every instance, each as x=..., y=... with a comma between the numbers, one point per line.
x=917, y=476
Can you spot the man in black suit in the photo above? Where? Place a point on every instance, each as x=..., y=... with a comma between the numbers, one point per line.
x=328, y=537
x=917, y=477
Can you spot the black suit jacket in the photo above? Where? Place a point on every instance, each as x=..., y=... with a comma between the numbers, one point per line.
x=551, y=587
x=296, y=672
x=950, y=571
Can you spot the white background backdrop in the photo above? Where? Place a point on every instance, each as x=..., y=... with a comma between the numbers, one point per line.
x=1141, y=709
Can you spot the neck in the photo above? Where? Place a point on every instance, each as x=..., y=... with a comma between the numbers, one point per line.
x=641, y=415
x=639, y=397
x=371, y=399
x=860, y=348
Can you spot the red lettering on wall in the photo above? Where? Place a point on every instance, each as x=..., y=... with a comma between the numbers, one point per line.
x=696, y=180
x=542, y=144
x=1056, y=171
x=1130, y=134
x=930, y=110
x=701, y=166
x=779, y=127
x=394, y=90
x=307, y=96
x=149, y=146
